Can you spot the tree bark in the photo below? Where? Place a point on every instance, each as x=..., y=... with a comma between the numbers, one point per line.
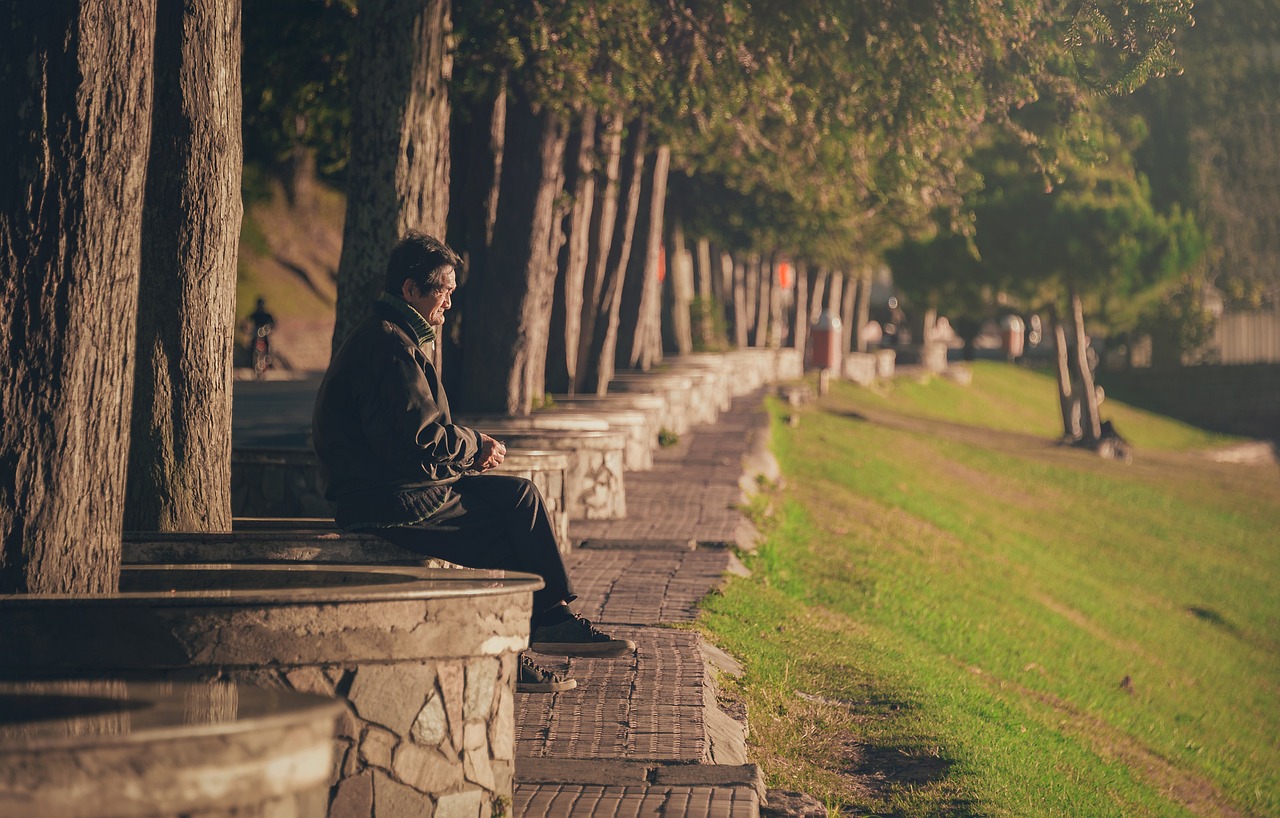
x=641, y=296
x=862, y=313
x=741, y=321
x=615, y=256
x=180, y=456
x=76, y=85
x=764, y=301
x=1090, y=422
x=752, y=306
x=777, y=326
x=677, y=336
x=800, y=317
x=566, y=310
x=848, y=295
x=477, y=142
x=1062, y=368
x=508, y=306
x=817, y=298
x=398, y=175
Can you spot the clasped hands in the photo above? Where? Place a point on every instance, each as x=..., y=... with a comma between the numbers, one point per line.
x=492, y=453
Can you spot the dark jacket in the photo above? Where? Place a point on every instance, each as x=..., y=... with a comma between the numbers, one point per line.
x=387, y=447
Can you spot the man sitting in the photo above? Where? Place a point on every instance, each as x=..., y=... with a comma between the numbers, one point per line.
x=397, y=466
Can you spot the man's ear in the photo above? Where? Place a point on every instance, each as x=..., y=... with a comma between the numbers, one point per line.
x=408, y=289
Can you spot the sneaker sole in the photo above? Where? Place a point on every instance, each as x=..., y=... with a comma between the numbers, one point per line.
x=614, y=647
x=546, y=687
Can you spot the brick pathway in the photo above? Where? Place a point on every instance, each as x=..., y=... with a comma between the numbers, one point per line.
x=642, y=735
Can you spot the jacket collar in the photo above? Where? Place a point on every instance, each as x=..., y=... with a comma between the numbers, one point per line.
x=405, y=315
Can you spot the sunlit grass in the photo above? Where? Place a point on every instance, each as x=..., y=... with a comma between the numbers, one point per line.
x=952, y=616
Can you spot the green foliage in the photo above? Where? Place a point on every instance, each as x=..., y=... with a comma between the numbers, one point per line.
x=666, y=437
x=706, y=316
x=295, y=67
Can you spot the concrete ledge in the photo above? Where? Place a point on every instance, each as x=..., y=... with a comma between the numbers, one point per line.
x=623, y=773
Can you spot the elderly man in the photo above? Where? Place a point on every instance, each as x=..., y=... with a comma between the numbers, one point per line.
x=397, y=466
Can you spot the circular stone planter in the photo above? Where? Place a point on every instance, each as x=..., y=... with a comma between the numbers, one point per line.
x=642, y=433
x=594, y=485
x=277, y=482
x=549, y=472
x=675, y=389
x=113, y=749
x=424, y=660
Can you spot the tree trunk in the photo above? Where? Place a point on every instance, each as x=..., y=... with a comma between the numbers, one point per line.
x=848, y=295
x=800, y=317
x=741, y=321
x=752, y=305
x=508, y=306
x=1062, y=368
x=75, y=84
x=398, y=175
x=614, y=256
x=677, y=336
x=764, y=300
x=704, y=274
x=566, y=310
x=817, y=298
x=477, y=140
x=1090, y=422
x=180, y=456
x=777, y=327
x=641, y=296
x=862, y=314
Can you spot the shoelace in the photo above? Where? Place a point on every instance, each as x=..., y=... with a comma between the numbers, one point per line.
x=537, y=671
x=595, y=632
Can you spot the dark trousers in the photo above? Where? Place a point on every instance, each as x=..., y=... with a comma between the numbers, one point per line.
x=493, y=521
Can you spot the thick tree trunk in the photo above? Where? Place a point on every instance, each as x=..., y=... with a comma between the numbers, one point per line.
x=1090, y=422
x=75, y=86
x=1062, y=368
x=704, y=274
x=615, y=256
x=705, y=325
x=641, y=296
x=477, y=140
x=508, y=307
x=398, y=175
x=800, y=317
x=862, y=313
x=741, y=319
x=180, y=455
x=566, y=309
x=677, y=292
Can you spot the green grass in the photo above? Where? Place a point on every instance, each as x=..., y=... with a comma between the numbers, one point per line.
x=950, y=615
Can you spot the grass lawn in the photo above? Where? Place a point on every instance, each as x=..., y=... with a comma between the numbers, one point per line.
x=952, y=615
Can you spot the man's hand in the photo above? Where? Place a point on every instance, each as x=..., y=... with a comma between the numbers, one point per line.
x=492, y=452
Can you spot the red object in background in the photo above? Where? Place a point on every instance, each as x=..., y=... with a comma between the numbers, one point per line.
x=826, y=335
x=784, y=274
x=662, y=264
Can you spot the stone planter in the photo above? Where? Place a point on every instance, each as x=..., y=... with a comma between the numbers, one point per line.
x=641, y=438
x=675, y=389
x=594, y=485
x=704, y=395
x=113, y=749
x=425, y=662
x=277, y=482
x=885, y=362
x=285, y=483
x=549, y=471
x=716, y=363
x=302, y=541
x=860, y=367
x=653, y=406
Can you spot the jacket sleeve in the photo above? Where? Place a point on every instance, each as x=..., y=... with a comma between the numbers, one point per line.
x=405, y=425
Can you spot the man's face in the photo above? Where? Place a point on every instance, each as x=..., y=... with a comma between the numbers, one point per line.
x=432, y=301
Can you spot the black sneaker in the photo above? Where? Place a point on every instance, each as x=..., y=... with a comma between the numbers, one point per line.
x=534, y=678
x=576, y=636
